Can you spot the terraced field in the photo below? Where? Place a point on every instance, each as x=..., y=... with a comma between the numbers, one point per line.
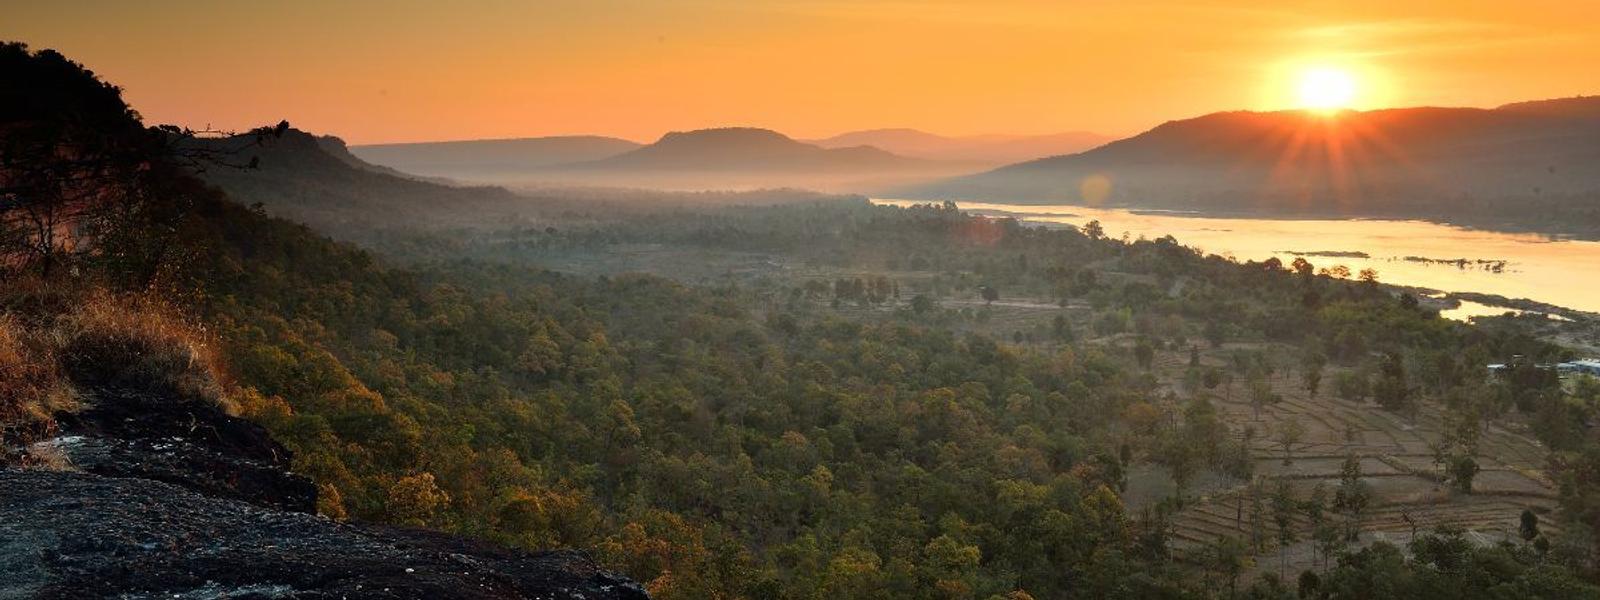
x=1409, y=494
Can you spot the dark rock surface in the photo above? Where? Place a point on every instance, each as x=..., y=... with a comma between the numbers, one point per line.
x=186, y=443
x=175, y=499
x=76, y=535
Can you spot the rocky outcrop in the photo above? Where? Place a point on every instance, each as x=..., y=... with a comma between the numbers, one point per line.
x=178, y=500
x=76, y=535
x=187, y=443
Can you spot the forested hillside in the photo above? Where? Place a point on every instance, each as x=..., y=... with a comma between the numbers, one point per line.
x=857, y=417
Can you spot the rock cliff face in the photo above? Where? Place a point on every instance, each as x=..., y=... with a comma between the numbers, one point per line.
x=178, y=500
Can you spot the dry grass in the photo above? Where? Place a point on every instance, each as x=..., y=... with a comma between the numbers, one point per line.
x=59, y=347
x=31, y=387
x=131, y=343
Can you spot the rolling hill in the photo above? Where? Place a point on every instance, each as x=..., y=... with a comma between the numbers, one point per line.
x=748, y=158
x=491, y=160
x=746, y=149
x=990, y=149
x=1410, y=161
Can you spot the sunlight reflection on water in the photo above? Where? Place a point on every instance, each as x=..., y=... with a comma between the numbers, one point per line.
x=1556, y=271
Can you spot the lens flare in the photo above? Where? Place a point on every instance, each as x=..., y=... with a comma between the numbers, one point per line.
x=1094, y=189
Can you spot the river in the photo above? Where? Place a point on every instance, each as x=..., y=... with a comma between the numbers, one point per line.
x=1561, y=272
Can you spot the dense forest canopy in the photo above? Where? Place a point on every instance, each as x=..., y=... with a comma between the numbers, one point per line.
x=855, y=422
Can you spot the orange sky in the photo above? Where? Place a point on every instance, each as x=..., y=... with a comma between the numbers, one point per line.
x=407, y=70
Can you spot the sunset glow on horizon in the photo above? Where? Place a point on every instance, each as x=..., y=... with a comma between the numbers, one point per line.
x=376, y=72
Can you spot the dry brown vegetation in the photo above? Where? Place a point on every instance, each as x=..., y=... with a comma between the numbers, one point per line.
x=139, y=344
x=31, y=387
x=60, y=346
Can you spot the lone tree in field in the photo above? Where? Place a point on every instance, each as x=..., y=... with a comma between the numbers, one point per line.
x=989, y=293
x=1529, y=527
x=1311, y=365
x=1290, y=434
x=1440, y=451
x=1462, y=470
x=1261, y=394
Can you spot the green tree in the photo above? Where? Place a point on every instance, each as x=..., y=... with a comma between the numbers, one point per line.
x=1289, y=434
x=1392, y=391
x=1352, y=496
x=1528, y=525
x=1283, y=510
x=1229, y=559
x=990, y=293
x=1311, y=365
x=1462, y=470
x=1144, y=353
x=1261, y=395
x=1351, y=386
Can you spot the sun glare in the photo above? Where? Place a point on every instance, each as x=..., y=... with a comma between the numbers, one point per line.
x=1326, y=89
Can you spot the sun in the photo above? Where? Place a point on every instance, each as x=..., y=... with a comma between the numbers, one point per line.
x=1326, y=89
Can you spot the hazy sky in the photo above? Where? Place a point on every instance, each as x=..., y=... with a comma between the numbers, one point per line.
x=401, y=70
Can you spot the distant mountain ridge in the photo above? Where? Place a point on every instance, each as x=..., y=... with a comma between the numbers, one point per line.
x=491, y=160
x=335, y=147
x=743, y=158
x=991, y=149
x=1393, y=160
x=748, y=148
x=726, y=158
x=1581, y=107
